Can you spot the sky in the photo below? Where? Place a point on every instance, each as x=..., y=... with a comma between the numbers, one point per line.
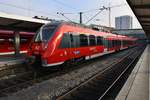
x=71, y=8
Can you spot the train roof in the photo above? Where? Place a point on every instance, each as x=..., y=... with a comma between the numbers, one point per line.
x=68, y=23
x=104, y=34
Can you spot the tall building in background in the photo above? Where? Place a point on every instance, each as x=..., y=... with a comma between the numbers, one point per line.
x=123, y=22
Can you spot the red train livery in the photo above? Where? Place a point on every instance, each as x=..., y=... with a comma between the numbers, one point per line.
x=59, y=42
x=7, y=42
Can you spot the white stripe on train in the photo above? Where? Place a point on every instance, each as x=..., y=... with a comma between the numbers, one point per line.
x=9, y=53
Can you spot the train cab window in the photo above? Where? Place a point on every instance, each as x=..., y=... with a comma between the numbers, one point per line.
x=45, y=33
x=83, y=40
x=65, y=42
x=99, y=40
x=92, y=40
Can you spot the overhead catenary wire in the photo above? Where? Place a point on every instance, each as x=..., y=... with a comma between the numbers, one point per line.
x=63, y=4
x=27, y=9
x=93, y=10
x=62, y=14
x=101, y=9
x=97, y=9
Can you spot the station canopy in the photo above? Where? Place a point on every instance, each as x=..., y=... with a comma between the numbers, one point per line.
x=141, y=9
x=20, y=23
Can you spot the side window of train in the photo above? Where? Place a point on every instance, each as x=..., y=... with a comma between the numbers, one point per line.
x=117, y=43
x=110, y=43
x=92, y=40
x=83, y=40
x=72, y=42
x=76, y=39
x=65, y=42
x=105, y=42
x=99, y=40
x=114, y=43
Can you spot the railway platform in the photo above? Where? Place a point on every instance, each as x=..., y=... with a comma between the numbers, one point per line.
x=7, y=60
x=137, y=85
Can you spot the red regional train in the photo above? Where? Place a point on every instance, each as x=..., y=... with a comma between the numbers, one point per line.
x=58, y=42
x=7, y=42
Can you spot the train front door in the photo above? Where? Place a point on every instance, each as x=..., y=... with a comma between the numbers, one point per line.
x=74, y=42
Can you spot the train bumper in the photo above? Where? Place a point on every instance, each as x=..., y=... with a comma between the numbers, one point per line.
x=45, y=64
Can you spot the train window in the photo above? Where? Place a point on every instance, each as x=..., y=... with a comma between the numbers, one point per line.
x=119, y=43
x=110, y=43
x=65, y=42
x=99, y=40
x=105, y=42
x=92, y=40
x=72, y=43
x=115, y=43
x=125, y=43
x=45, y=33
x=76, y=39
x=83, y=40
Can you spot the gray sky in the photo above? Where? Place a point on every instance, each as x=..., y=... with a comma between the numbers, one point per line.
x=49, y=8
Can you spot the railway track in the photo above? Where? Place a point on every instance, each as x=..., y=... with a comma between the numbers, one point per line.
x=7, y=72
x=30, y=78
x=98, y=86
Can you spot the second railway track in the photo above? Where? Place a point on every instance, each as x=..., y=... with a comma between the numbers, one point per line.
x=27, y=79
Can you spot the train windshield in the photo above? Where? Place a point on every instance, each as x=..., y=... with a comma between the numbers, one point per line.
x=45, y=33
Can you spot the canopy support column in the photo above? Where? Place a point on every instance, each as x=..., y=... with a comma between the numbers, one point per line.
x=17, y=43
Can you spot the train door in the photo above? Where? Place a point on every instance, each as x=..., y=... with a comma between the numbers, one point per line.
x=65, y=46
x=105, y=43
x=74, y=43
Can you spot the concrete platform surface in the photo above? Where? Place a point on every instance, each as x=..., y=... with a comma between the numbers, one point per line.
x=137, y=85
x=11, y=60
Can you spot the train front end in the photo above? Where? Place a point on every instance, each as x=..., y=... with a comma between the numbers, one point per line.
x=40, y=44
